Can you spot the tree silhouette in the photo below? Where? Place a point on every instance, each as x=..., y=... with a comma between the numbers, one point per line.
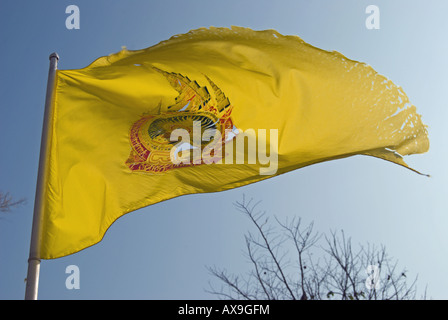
x=312, y=271
x=7, y=202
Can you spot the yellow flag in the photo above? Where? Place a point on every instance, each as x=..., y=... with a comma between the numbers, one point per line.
x=207, y=111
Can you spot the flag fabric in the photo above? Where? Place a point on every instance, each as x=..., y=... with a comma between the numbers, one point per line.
x=138, y=127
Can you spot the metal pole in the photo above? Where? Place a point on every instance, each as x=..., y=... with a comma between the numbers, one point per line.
x=32, y=279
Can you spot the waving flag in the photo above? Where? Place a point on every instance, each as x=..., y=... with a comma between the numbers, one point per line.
x=207, y=111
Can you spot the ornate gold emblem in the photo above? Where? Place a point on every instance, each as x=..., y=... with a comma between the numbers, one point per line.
x=150, y=136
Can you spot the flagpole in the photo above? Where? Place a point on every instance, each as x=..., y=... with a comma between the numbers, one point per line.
x=32, y=279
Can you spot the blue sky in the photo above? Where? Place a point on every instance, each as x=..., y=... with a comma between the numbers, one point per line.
x=161, y=252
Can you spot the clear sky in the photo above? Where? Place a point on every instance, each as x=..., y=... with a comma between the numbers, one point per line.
x=161, y=252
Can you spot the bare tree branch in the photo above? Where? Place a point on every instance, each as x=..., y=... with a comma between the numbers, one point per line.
x=338, y=272
x=7, y=203
x=249, y=211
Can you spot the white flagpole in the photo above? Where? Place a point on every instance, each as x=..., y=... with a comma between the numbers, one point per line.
x=32, y=279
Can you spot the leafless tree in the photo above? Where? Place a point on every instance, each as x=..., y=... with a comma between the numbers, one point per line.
x=289, y=262
x=7, y=202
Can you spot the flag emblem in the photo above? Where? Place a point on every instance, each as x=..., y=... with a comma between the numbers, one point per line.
x=154, y=148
